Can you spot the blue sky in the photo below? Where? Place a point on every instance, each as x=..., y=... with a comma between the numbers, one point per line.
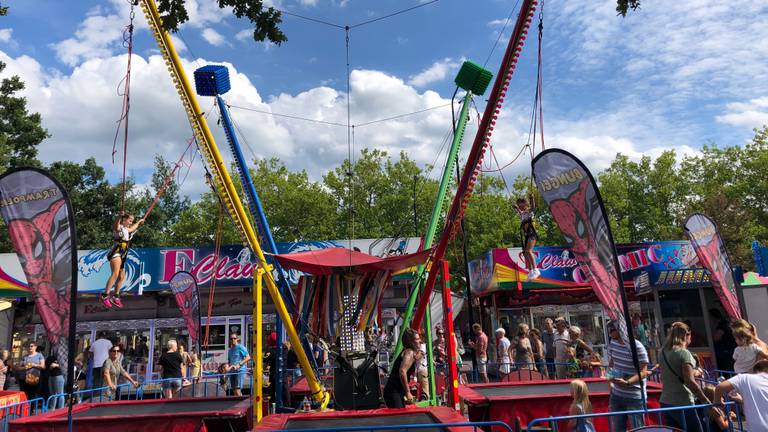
x=670, y=76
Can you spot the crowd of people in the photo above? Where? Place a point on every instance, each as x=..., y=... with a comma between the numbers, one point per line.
x=558, y=351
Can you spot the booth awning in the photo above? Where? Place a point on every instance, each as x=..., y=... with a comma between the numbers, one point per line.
x=340, y=260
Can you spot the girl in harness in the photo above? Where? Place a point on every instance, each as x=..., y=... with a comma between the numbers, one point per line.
x=123, y=231
x=528, y=232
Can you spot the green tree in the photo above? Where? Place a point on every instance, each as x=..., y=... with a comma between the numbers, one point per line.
x=265, y=19
x=159, y=227
x=95, y=201
x=645, y=200
x=382, y=199
x=20, y=133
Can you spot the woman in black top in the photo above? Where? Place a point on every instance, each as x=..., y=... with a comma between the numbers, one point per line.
x=396, y=392
x=55, y=381
x=173, y=372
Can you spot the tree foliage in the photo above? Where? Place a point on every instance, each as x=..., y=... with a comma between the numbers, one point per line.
x=265, y=19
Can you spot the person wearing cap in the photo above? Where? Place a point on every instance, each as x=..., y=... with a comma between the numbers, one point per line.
x=503, y=357
x=627, y=389
x=561, y=342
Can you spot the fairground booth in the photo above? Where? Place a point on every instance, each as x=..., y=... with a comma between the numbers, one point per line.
x=664, y=282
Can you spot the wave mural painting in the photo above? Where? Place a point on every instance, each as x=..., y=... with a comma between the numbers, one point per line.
x=151, y=269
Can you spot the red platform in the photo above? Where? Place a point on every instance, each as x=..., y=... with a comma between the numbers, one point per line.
x=13, y=397
x=177, y=415
x=529, y=400
x=377, y=417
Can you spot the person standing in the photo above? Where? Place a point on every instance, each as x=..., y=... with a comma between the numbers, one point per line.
x=753, y=389
x=561, y=343
x=100, y=351
x=627, y=388
x=537, y=347
x=397, y=391
x=173, y=372
x=30, y=369
x=113, y=370
x=548, y=340
x=237, y=358
x=679, y=381
x=523, y=348
x=503, y=357
x=55, y=381
x=480, y=345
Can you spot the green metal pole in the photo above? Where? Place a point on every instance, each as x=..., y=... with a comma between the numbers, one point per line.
x=437, y=210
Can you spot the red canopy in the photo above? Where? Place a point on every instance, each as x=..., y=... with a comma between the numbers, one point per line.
x=338, y=260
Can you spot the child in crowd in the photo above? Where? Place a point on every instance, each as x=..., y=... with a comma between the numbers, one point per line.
x=579, y=406
x=596, y=365
x=529, y=235
x=717, y=418
x=574, y=366
x=747, y=353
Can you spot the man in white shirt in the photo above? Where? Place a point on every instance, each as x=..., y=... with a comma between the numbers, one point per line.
x=100, y=352
x=753, y=389
x=561, y=341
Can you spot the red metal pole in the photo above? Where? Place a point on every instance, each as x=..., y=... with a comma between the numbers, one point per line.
x=475, y=157
x=450, y=343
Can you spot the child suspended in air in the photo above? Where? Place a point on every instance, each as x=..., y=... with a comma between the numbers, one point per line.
x=528, y=231
x=123, y=231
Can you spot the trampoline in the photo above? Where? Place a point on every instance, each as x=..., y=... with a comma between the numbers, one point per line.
x=373, y=418
x=177, y=415
x=527, y=400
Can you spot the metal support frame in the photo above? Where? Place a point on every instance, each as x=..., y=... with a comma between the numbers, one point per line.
x=224, y=186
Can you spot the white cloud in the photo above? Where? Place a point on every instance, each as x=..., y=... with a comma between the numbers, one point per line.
x=437, y=72
x=752, y=114
x=497, y=23
x=244, y=35
x=213, y=37
x=6, y=35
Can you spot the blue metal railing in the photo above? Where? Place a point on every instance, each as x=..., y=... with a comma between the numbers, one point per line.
x=476, y=426
x=21, y=409
x=698, y=410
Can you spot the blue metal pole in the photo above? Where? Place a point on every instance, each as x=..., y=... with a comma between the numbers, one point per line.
x=257, y=210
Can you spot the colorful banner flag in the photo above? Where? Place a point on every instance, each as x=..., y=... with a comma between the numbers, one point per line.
x=41, y=226
x=570, y=191
x=710, y=249
x=184, y=287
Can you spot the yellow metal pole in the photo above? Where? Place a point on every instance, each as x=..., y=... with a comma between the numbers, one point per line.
x=226, y=188
x=258, y=399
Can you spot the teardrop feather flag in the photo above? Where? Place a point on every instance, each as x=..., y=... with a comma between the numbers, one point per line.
x=710, y=249
x=185, y=290
x=574, y=200
x=41, y=224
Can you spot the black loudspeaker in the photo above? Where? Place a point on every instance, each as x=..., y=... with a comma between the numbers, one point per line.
x=356, y=383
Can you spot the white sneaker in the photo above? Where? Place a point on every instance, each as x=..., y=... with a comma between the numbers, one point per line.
x=534, y=274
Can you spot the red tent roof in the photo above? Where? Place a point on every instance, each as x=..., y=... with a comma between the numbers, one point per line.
x=337, y=260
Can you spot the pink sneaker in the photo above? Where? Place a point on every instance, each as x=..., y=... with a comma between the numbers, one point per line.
x=105, y=301
x=116, y=302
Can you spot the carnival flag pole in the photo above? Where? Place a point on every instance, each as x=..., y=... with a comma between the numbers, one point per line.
x=575, y=203
x=41, y=225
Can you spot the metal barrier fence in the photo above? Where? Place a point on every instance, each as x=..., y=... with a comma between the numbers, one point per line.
x=21, y=409
x=684, y=415
x=476, y=427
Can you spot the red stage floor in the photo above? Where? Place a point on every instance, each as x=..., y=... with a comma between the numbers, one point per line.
x=377, y=417
x=177, y=415
x=529, y=400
